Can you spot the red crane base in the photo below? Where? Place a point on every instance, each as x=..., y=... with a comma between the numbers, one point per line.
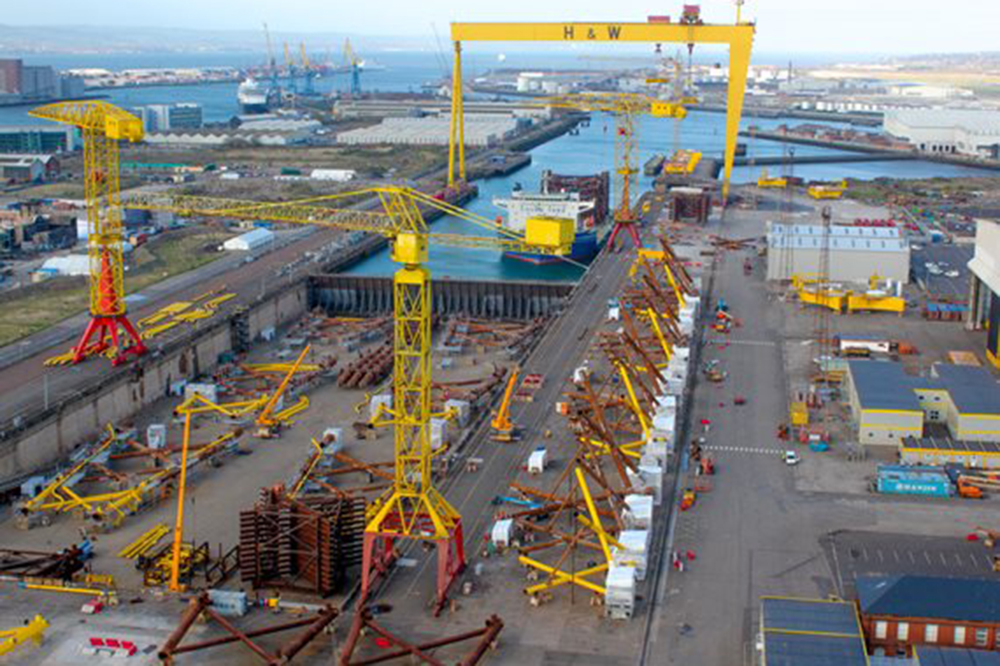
x=102, y=327
x=379, y=555
x=630, y=228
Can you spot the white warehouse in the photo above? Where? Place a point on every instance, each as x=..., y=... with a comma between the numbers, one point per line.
x=856, y=253
x=974, y=132
x=251, y=240
x=481, y=130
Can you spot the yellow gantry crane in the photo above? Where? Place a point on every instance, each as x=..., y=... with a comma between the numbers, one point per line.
x=412, y=508
x=102, y=125
x=625, y=107
x=655, y=30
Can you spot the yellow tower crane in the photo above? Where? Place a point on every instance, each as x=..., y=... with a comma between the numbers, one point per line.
x=102, y=125
x=412, y=509
x=625, y=107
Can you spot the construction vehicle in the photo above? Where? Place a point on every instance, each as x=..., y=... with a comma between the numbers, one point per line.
x=827, y=191
x=765, y=182
x=968, y=490
x=503, y=428
x=269, y=425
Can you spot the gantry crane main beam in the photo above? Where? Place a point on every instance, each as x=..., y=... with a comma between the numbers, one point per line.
x=738, y=36
x=102, y=125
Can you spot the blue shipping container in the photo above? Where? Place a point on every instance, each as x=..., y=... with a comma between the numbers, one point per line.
x=914, y=480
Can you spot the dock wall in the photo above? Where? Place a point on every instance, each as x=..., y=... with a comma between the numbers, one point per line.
x=358, y=295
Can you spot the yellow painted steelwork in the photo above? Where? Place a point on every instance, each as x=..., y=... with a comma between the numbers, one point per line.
x=765, y=182
x=34, y=631
x=739, y=38
x=625, y=107
x=413, y=507
x=558, y=577
x=266, y=417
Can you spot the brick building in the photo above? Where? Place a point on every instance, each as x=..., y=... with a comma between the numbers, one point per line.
x=900, y=612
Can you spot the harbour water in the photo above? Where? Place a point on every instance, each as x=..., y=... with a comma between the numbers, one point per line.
x=590, y=151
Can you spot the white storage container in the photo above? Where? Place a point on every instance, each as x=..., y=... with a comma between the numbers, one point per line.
x=633, y=551
x=652, y=476
x=439, y=433
x=462, y=408
x=156, y=436
x=377, y=401
x=333, y=435
x=208, y=391
x=537, y=461
x=619, y=595
x=638, y=512
x=503, y=533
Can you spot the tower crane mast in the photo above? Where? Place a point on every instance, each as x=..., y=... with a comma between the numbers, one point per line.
x=625, y=107
x=102, y=125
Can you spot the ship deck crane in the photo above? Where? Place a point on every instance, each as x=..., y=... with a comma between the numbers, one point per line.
x=625, y=107
x=102, y=125
x=412, y=508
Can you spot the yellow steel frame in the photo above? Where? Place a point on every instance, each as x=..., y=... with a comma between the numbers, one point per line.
x=10, y=639
x=402, y=509
x=266, y=416
x=558, y=577
x=633, y=399
x=102, y=126
x=624, y=107
x=739, y=37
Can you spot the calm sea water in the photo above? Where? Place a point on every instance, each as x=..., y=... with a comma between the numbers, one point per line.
x=589, y=152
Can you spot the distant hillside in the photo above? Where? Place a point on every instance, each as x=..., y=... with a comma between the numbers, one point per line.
x=91, y=39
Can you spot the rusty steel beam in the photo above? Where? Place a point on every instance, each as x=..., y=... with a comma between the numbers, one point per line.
x=418, y=652
x=201, y=604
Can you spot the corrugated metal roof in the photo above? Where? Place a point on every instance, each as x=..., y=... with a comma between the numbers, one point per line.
x=980, y=121
x=937, y=656
x=960, y=599
x=884, y=385
x=841, y=238
x=802, y=632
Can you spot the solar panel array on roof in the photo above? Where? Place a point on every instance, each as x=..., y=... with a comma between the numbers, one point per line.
x=932, y=597
x=799, y=632
x=884, y=385
x=937, y=656
x=972, y=389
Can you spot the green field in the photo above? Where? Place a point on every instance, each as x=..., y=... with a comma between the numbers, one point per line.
x=43, y=305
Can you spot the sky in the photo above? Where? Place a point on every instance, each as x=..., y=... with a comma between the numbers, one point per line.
x=784, y=26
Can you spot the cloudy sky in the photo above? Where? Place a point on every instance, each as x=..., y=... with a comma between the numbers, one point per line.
x=784, y=26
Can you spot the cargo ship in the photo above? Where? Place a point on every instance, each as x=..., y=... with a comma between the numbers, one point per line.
x=256, y=98
x=583, y=199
